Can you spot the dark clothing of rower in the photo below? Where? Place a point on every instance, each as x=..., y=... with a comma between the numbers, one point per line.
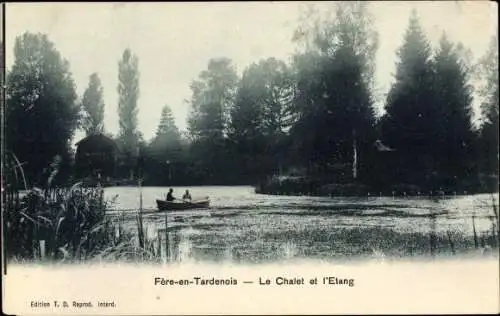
x=170, y=196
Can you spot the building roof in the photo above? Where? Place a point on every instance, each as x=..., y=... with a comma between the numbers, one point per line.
x=98, y=138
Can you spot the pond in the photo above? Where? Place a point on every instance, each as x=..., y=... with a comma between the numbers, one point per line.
x=244, y=226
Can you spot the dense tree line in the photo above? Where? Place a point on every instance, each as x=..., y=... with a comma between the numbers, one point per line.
x=313, y=116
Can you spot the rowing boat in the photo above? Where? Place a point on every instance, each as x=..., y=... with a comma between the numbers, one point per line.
x=181, y=206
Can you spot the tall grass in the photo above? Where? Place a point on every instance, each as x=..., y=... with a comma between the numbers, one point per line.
x=147, y=249
x=52, y=223
x=493, y=235
x=59, y=223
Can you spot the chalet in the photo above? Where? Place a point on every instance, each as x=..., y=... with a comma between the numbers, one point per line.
x=96, y=156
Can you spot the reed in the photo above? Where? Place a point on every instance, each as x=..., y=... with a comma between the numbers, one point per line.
x=52, y=223
x=490, y=238
x=60, y=223
x=476, y=244
x=495, y=221
x=450, y=240
x=66, y=224
x=140, y=220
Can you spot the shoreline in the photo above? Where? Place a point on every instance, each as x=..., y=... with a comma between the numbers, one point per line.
x=312, y=187
x=396, y=196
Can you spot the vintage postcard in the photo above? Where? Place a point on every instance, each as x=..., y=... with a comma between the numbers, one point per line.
x=182, y=158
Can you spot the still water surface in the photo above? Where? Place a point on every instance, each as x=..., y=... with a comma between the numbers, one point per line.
x=243, y=224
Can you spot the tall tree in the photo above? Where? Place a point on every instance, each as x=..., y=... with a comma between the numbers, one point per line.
x=93, y=105
x=277, y=86
x=260, y=116
x=212, y=97
x=165, y=149
x=452, y=122
x=41, y=112
x=246, y=113
x=167, y=127
x=167, y=141
x=410, y=108
x=488, y=71
x=128, y=92
x=335, y=76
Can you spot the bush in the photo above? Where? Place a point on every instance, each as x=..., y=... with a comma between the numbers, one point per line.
x=348, y=189
x=288, y=185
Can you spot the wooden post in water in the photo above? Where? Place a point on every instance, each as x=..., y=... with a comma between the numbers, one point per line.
x=160, y=248
x=141, y=227
x=354, y=156
x=35, y=244
x=474, y=224
x=433, y=235
x=101, y=191
x=167, y=254
x=451, y=242
x=42, y=249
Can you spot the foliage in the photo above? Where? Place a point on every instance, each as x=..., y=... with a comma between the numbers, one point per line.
x=70, y=220
x=93, y=105
x=41, y=112
x=334, y=78
x=165, y=153
x=452, y=124
x=128, y=92
x=429, y=111
x=261, y=115
x=488, y=73
x=212, y=96
x=315, y=113
x=411, y=112
x=65, y=224
x=167, y=135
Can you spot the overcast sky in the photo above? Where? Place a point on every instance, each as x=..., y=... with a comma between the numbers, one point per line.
x=174, y=41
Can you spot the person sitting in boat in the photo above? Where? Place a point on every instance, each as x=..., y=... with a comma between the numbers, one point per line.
x=187, y=196
x=170, y=195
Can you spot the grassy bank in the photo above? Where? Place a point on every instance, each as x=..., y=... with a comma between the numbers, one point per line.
x=316, y=186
